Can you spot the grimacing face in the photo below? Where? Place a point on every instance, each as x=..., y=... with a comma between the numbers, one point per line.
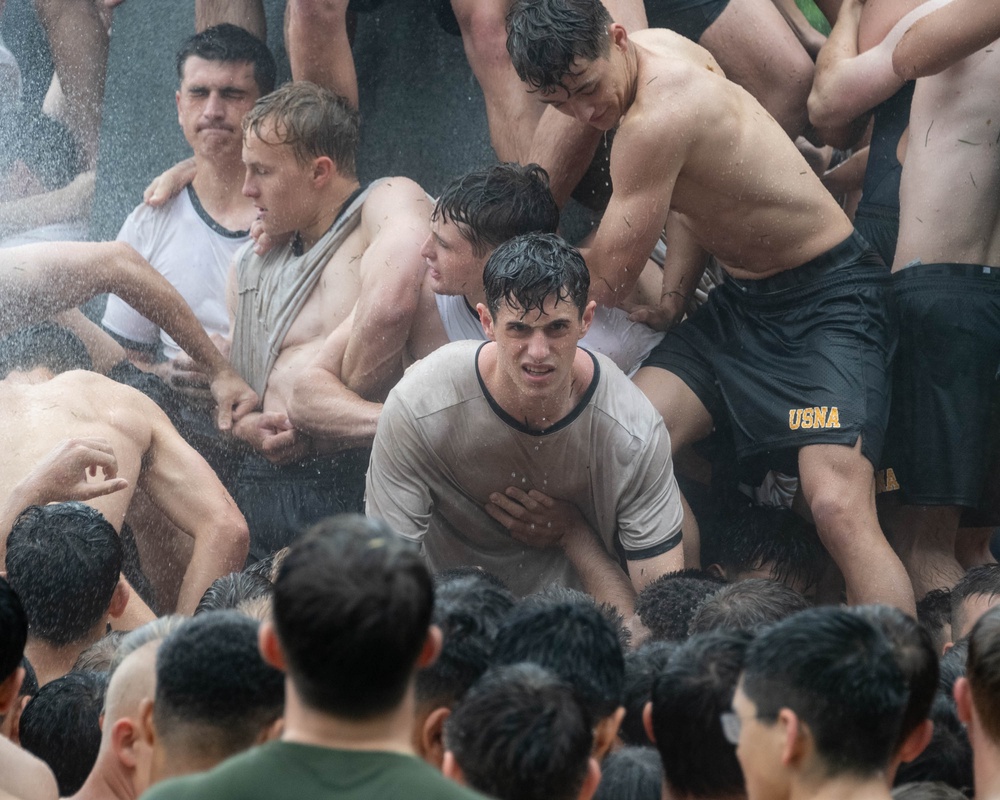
x=453, y=268
x=212, y=100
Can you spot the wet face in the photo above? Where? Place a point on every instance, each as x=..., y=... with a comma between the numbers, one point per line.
x=536, y=350
x=212, y=100
x=590, y=93
x=278, y=183
x=453, y=268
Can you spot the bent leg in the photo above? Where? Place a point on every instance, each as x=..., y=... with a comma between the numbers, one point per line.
x=838, y=484
x=925, y=537
x=758, y=50
x=318, y=46
x=972, y=547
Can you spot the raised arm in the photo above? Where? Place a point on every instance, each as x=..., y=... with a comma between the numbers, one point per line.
x=39, y=280
x=182, y=485
x=945, y=37
x=396, y=222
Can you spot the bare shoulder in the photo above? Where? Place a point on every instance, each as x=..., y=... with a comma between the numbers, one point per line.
x=397, y=199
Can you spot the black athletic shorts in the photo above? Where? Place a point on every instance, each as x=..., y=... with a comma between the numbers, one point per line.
x=879, y=225
x=945, y=379
x=689, y=18
x=280, y=503
x=797, y=359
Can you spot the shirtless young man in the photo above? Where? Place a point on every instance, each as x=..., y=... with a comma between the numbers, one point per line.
x=800, y=337
x=332, y=242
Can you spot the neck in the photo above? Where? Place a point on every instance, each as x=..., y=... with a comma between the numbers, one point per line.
x=329, y=204
x=842, y=788
x=51, y=661
x=108, y=779
x=388, y=732
x=631, y=83
x=219, y=186
x=985, y=765
x=179, y=761
x=670, y=793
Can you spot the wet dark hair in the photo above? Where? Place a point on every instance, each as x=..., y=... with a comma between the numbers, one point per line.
x=544, y=37
x=227, y=42
x=748, y=605
x=13, y=630
x=951, y=667
x=352, y=610
x=563, y=594
x=631, y=773
x=44, y=144
x=526, y=271
x=64, y=561
x=667, y=605
x=641, y=668
x=934, y=613
x=926, y=790
x=980, y=580
x=101, y=654
x=497, y=203
x=61, y=726
x=519, y=734
x=947, y=757
x=576, y=642
x=689, y=695
x=43, y=345
x=838, y=673
x=231, y=590
x=213, y=689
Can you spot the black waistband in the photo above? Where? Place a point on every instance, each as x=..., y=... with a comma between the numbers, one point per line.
x=947, y=271
x=853, y=249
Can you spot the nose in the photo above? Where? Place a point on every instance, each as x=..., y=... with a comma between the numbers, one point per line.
x=538, y=346
x=214, y=108
x=249, y=187
x=427, y=248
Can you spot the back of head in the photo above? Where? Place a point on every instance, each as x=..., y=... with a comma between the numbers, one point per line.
x=574, y=641
x=469, y=612
x=44, y=345
x=934, y=613
x=61, y=725
x=948, y=756
x=982, y=668
x=214, y=693
x=745, y=539
x=926, y=790
x=519, y=734
x=689, y=695
x=667, y=605
x=563, y=594
x=13, y=630
x=64, y=561
x=227, y=42
x=915, y=656
x=951, y=667
x=101, y=654
x=642, y=666
x=978, y=582
x=544, y=37
x=497, y=203
x=748, y=605
x=230, y=590
x=838, y=674
x=631, y=773
x=153, y=631
x=352, y=609
x=313, y=121
x=526, y=271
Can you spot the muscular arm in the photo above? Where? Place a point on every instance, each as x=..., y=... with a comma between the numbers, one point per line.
x=945, y=37
x=644, y=169
x=248, y=14
x=396, y=221
x=184, y=487
x=37, y=281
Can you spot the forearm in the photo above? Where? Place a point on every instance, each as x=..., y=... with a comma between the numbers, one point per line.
x=220, y=547
x=564, y=147
x=945, y=37
x=599, y=572
x=847, y=176
x=810, y=38
x=334, y=416
x=71, y=202
x=248, y=14
x=682, y=269
x=829, y=101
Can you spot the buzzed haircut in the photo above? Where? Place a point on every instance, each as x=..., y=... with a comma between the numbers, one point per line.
x=667, y=605
x=313, y=121
x=926, y=790
x=152, y=631
x=748, y=605
x=101, y=654
x=563, y=594
x=741, y=537
x=44, y=345
x=982, y=668
x=64, y=561
x=61, y=726
x=230, y=590
x=526, y=271
x=574, y=641
x=952, y=666
x=352, y=610
x=642, y=666
x=228, y=42
x=13, y=630
x=214, y=691
x=496, y=203
x=837, y=672
x=689, y=696
x=545, y=37
x=519, y=734
x=631, y=773
x=469, y=612
x=915, y=656
x=982, y=580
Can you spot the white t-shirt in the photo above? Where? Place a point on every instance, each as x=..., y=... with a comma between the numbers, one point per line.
x=443, y=445
x=611, y=333
x=193, y=252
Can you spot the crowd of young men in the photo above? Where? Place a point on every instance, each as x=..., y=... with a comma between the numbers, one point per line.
x=439, y=486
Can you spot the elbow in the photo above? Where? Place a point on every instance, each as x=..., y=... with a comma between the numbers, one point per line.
x=233, y=538
x=907, y=65
x=823, y=114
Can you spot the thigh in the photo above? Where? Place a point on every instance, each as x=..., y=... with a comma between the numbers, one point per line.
x=685, y=415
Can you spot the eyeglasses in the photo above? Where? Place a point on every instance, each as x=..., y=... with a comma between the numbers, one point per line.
x=731, y=726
